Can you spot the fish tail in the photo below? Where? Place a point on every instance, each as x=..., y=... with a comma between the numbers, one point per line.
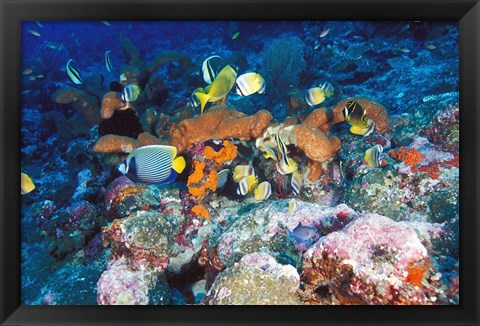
x=203, y=98
x=179, y=164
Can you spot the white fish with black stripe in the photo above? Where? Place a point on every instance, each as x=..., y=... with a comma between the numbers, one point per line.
x=153, y=164
x=73, y=72
x=250, y=83
x=130, y=93
x=211, y=67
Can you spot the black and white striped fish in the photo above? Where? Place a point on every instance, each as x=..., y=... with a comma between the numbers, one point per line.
x=211, y=67
x=130, y=93
x=108, y=62
x=153, y=164
x=296, y=182
x=73, y=72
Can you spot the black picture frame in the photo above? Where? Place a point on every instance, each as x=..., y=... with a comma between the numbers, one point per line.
x=13, y=12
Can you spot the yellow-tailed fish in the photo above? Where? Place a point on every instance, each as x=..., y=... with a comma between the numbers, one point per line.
x=355, y=115
x=153, y=164
x=34, y=32
x=314, y=96
x=246, y=185
x=372, y=157
x=292, y=206
x=211, y=66
x=327, y=89
x=26, y=184
x=219, y=88
x=130, y=93
x=222, y=178
x=269, y=152
x=108, y=62
x=242, y=171
x=27, y=71
x=104, y=22
x=39, y=24
x=250, y=83
x=262, y=191
x=324, y=32
x=73, y=72
x=284, y=169
x=296, y=182
x=235, y=35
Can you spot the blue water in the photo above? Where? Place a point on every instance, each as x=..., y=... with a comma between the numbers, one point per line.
x=411, y=68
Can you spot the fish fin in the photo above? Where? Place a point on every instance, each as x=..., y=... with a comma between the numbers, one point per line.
x=358, y=130
x=171, y=177
x=203, y=98
x=179, y=164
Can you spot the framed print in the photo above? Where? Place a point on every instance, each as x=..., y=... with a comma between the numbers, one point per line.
x=213, y=161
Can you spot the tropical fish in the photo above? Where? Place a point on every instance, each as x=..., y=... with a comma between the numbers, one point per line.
x=27, y=71
x=324, y=32
x=108, y=62
x=242, y=171
x=222, y=178
x=314, y=96
x=153, y=164
x=303, y=233
x=73, y=72
x=284, y=169
x=404, y=50
x=262, y=191
x=194, y=101
x=246, y=185
x=26, y=91
x=34, y=32
x=26, y=184
x=327, y=89
x=372, y=157
x=39, y=76
x=250, y=83
x=53, y=46
x=211, y=66
x=356, y=117
x=292, y=206
x=296, y=182
x=282, y=148
x=269, y=152
x=430, y=46
x=235, y=35
x=105, y=23
x=32, y=78
x=39, y=24
x=130, y=93
x=316, y=45
x=219, y=88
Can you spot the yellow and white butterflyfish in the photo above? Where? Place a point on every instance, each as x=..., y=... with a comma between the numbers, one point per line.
x=26, y=184
x=242, y=171
x=250, y=83
x=262, y=191
x=246, y=185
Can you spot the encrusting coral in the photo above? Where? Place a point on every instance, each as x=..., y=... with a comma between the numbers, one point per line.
x=220, y=122
x=80, y=100
x=111, y=101
x=110, y=144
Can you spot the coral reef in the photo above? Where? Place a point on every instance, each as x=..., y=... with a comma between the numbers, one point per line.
x=80, y=100
x=109, y=144
x=220, y=122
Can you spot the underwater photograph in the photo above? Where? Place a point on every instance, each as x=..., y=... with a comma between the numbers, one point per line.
x=240, y=163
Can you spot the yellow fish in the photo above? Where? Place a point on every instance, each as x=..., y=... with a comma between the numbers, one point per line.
x=269, y=152
x=262, y=191
x=372, y=157
x=26, y=184
x=219, y=88
x=250, y=83
x=355, y=115
x=242, y=171
x=292, y=206
x=283, y=168
x=314, y=96
x=247, y=185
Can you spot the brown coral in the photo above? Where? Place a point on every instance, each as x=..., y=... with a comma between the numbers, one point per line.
x=375, y=111
x=110, y=144
x=111, y=101
x=80, y=100
x=220, y=122
x=317, y=145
